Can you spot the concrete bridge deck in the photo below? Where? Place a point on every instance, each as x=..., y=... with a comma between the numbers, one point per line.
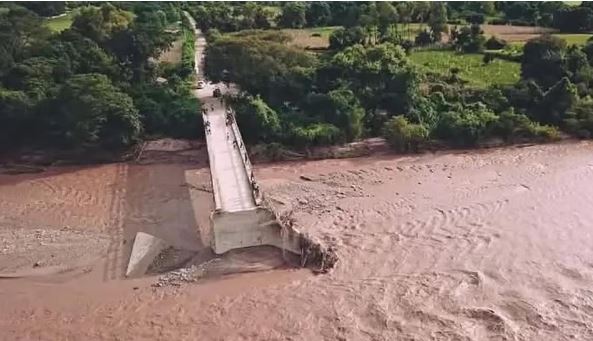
x=239, y=219
x=231, y=184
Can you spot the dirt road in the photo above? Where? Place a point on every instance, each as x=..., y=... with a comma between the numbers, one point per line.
x=492, y=245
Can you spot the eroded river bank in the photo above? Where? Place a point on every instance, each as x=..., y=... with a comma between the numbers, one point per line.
x=477, y=245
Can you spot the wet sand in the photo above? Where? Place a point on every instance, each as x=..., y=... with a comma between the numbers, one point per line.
x=488, y=245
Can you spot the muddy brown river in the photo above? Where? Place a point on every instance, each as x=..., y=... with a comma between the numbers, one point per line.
x=480, y=245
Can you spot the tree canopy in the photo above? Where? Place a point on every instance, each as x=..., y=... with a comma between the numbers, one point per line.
x=365, y=84
x=87, y=87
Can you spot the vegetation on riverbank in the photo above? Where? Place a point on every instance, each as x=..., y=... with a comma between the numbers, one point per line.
x=377, y=69
x=188, y=48
x=374, y=82
x=94, y=85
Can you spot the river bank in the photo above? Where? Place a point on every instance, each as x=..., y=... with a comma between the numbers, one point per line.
x=179, y=150
x=469, y=245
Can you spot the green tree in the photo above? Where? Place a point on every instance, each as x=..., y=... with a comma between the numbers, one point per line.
x=342, y=109
x=314, y=134
x=264, y=18
x=258, y=122
x=34, y=76
x=20, y=29
x=293, y=15
x=344, y=37
x=386, y=16
x=380, y=76
x=345, y=13
x=495, y=43
x=559, y=99
x=421, y=11
x=346, y=113
x=217, y=15
x=405, y=13
x=75, y=54
x=488, y=7
x=466, y=127
x=579, y=120
x=404, y=136
x=544, y=53
x=574, y=19
x=577, y=66
x=513, y=127
x=165, y=111
x=145, y=39
x=437, y=20
x=89, y=112
x=264, y=67
x=46, y=8
x=318, y=13
x=588, y=50
x=253, y=16
x=101, y=23
x=15, y=118
x=469, y=39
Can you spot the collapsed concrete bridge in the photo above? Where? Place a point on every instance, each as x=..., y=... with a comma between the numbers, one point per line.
x=239, y=219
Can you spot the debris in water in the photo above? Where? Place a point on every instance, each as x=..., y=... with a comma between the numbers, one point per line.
x=306, y=178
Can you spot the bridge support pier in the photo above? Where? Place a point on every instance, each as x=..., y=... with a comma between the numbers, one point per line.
x=257, y=227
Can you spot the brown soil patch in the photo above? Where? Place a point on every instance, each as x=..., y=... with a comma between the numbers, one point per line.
x=515, y=33
x=172, y=55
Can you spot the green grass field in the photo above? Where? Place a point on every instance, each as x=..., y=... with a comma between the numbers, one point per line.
x=471, y=67
x=575, y=39
x=571, y=39
x=61, y=23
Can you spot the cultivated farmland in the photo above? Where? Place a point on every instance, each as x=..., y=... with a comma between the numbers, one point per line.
x=471, y=67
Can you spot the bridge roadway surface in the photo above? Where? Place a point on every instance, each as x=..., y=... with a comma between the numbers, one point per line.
x=229, y=176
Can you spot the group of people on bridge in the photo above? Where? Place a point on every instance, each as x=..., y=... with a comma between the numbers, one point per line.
x=229, y=120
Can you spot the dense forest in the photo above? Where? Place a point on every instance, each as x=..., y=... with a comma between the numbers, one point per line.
x=364, y=83
x=95, y=84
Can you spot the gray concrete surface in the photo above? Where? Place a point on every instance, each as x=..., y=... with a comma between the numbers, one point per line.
x=239, y=220
x=146, y=248
x=230, y=178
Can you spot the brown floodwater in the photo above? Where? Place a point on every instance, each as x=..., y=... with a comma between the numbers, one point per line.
x=479, y=245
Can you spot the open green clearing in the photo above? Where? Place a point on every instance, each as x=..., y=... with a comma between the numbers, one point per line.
x=575, y=39
x=58, y=24
x=471, y=67
x=570, y=38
